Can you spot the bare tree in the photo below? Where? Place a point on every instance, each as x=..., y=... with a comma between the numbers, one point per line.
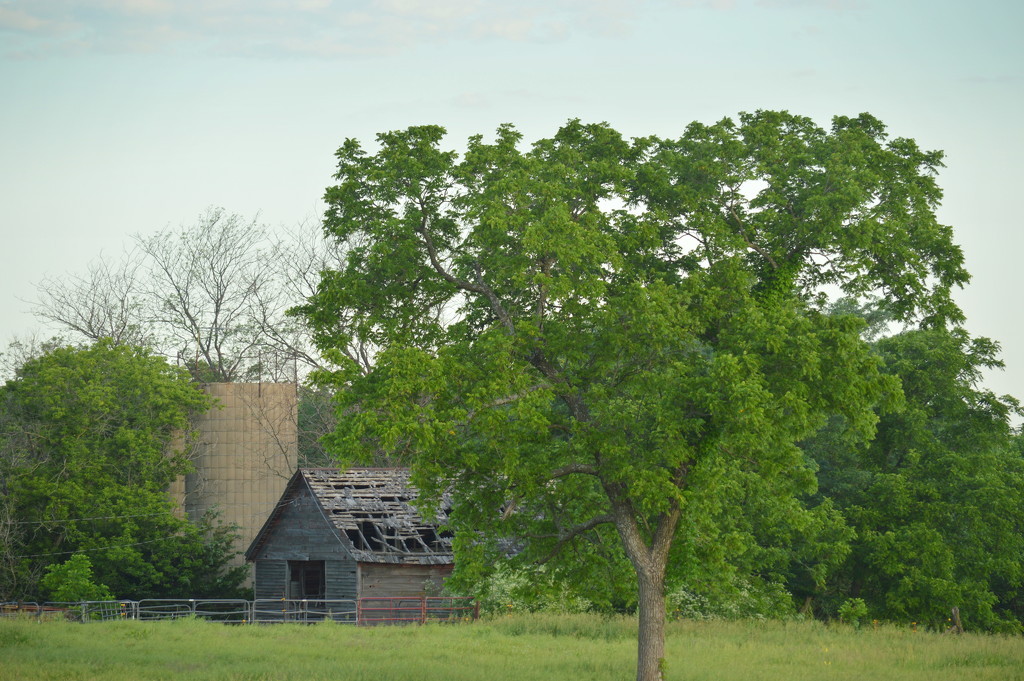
x=107, y=301
x=300, y=256
x=21, y=349
x=202, y=284
x=214, y=296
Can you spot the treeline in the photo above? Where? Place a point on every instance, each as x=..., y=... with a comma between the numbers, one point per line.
x=619, y=355
x=926, y=516
x=605, y=391
x=91, y=438
x=934, y=503
x=94, y=421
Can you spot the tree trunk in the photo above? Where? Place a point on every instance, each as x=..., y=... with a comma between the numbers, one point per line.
x=649, y=561
x=650, y=656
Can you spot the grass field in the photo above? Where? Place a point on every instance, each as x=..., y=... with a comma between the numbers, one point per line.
x=513, y=648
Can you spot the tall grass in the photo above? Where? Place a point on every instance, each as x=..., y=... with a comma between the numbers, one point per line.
x=516, y=647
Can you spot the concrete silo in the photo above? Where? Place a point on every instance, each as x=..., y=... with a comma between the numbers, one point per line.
x=245, y=452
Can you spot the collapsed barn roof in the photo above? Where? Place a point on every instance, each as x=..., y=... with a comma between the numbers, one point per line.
x=372, y=511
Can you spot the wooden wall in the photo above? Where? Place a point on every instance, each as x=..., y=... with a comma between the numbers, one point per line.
x=387, y=580
x=303, y=534
x=271, y=579
x=341, y=579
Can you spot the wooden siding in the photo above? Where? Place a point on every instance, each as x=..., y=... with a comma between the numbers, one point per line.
x=387, y=580
x=271, y=579
x=341, y=579
x=301, y=533
x=309, y=537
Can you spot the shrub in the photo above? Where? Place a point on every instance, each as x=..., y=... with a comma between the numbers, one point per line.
x=853, y=611
x=528, y=590
x=738, y=599
x=73, y=581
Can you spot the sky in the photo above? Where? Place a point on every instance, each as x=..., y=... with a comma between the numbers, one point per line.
x=121, y=117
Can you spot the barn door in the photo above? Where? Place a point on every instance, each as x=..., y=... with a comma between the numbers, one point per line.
x=306, y=579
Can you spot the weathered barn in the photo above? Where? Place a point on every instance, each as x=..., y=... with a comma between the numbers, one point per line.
x=349, y=534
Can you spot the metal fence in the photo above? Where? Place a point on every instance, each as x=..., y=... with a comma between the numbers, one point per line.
x=218, y=610
x=78, y=611
x=398, y=610
x=285, y=610
x=361, y=612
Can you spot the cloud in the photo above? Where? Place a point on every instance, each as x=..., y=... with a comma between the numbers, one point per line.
x=14, y=19
x=730, y=5
x=523, y=27
x=708, y=4
x=832, y=5
x=319, y=28
x=449, y=10
x=136, y=7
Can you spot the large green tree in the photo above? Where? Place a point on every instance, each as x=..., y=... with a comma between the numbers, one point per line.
x=596, y=332
x=86, y=459
x=936, y=499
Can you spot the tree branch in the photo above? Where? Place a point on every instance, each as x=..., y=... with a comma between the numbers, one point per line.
x=661, y=542
x=750, y=244
x=492, y=298
x=572, y=468
x=479, y=287
x=501, y=401
x=565, y=537
x=576, y=405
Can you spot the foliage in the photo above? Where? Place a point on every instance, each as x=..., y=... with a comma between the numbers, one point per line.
x=528, y=589
x=610, y=347
x=853, y=611
x=937, y=498
x=91, y=439
x=73, y=580
x=745, y=598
